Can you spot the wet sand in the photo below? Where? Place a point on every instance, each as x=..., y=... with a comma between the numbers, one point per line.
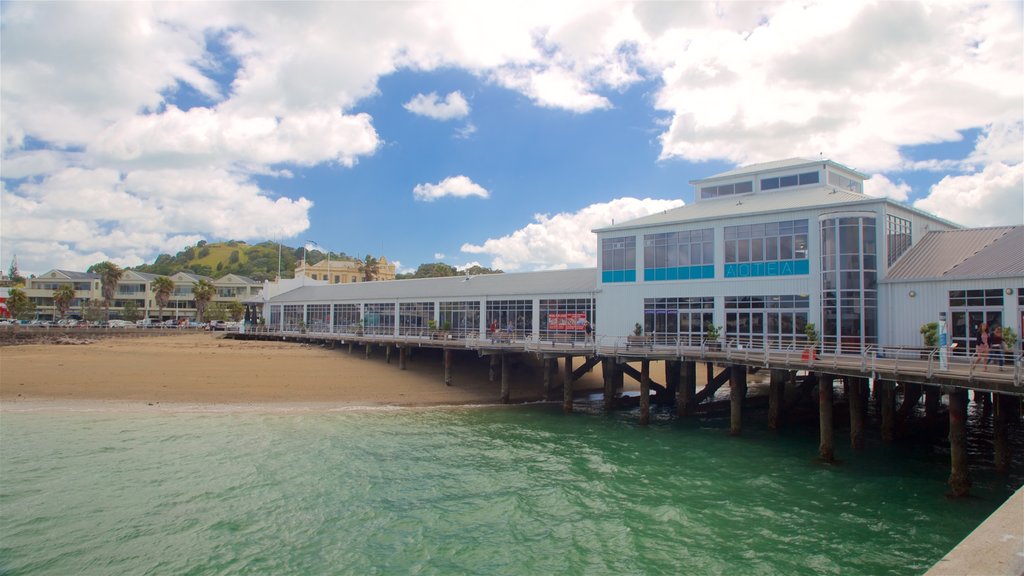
x=207, y=369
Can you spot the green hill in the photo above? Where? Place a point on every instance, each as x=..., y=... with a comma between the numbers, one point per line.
x=259, y=262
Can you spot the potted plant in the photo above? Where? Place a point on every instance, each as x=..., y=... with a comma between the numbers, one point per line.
x=711, y=335
x=812, y=340
x=1010, y=343
x=446, y=330
x=930, y=335
x=432, y=328
x=637, y=338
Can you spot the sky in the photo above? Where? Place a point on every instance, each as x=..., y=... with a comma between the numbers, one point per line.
x=490, y=133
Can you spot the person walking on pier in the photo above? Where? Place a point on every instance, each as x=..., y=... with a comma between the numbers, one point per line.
x=588, y=332
x=981, y=347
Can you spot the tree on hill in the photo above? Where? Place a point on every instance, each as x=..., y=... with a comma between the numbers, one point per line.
x=110, y=274
x=369, y=268
x=162, y=287
x=62, y=298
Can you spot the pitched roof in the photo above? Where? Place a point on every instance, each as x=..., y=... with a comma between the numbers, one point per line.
x=772, y=166
x=747, y=204
x=575, y=281
x=72, y=275
x=972, y=252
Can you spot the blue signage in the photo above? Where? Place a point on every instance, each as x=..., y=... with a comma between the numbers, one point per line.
x=774, y=268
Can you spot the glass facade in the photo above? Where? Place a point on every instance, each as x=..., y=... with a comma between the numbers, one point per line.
x=843, y=182
x=849, y=282
x=515, y=316
x=685, y=255
x=292, y=317
x=566, y=318
x=776, y=182
x=897, y=237
x=414, y=318
x=618, y=259
x=318, y=317
x=767, y=321
x=726, y=189
x=462, y=318
x=346, y=318
x=379, y=318
x=772, y=249
x=678, y=319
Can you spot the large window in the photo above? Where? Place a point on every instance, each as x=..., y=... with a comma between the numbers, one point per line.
x=414, y=318
x=685, y=255
x=968, y=309
x=897, y=236
x=566, y=318
x=275, y=316
x=776, y=182
x=771, y=249
x=678, y=319
x=515, y=316
x=462, y=318
x=293, y=317
x=849, y=282
x=318, y=317
x=726, y=189
x=618, y=259
x=346, y=318
x=767, y=321
x=379, y=319
x=843, y=182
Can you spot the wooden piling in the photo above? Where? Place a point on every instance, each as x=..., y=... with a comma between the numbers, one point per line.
x=959, y=481
x=1000, y=431
x=776, y=397
x=550, y=367
x=687, y=389
x=672, y=378
x=857, y=412
x=505, y=379
x=402, y=355
x=350, y=345
x=931, y=400
x=607, y=373
x=492, y=372
x=567, y=385
x=887, y=397
x=387, y=354
x=366, y=351
x=448, y=367
x=645, y=392
x=826, y=448
x=618, y=378
x=737, y=393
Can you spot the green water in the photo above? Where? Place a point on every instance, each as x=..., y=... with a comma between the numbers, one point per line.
x=523, y=490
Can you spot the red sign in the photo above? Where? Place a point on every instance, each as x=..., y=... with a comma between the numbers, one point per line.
x=567, y=321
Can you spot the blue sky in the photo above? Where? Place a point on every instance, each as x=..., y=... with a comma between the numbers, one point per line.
x=490, y=133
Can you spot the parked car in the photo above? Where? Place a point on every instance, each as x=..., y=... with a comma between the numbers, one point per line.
x=120, y=324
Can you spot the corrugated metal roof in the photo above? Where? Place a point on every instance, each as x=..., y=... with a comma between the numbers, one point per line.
x=71, y=275
x=575, y=281
x=972, y=252
x=731, y=206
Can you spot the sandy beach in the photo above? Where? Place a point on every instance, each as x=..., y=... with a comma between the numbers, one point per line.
x=207, y=369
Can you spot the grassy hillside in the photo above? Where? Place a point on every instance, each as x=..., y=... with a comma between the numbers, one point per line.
x=258, y=262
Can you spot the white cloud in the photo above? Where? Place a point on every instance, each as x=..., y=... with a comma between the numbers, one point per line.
x=458, y=186
x=439, y=256
x=453, y=106
x=992, y=197
x=564, y=240
x=880, y=186
x=466, y=131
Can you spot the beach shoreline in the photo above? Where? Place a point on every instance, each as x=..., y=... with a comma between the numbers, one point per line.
x=204, y=372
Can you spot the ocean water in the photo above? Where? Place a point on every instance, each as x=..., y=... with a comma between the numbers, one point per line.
x=485, y=490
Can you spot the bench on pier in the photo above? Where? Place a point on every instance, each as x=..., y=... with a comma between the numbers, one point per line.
x=645, y=342
x=562, y=338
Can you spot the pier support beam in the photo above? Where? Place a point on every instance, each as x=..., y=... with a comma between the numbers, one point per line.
x=959, y=482
x=550, y=368
x=448, y=367
x=887, y=397
x=367, y=350
x=492, y=372
x=826, y=448
x=931, y=400
x=737, y=393
x=687, y=389
x=1002, y=410
x=402, y=356
x=387, y=354
x=645, y=392
x=505, y=379
x=618, y=378
x=857, y=411
x=607, y=369
x=567, y=385
x=672, y=377
x=776, y=397
x=350, y=345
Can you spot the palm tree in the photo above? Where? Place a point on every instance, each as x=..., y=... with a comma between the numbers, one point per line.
x=162, y=287
x=203, y=292
x=62, y=298
x=19, y=305
x=110, y=274
x=369, y=267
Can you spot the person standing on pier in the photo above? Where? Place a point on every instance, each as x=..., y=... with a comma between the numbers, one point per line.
x=982, y=347
x=588, y=332
x=996, y=345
